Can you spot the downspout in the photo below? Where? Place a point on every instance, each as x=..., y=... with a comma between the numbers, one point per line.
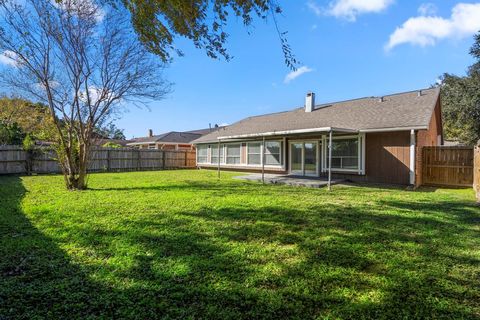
x=218, y=166
x=330, y=161
x=263, y=160
x=412, y=156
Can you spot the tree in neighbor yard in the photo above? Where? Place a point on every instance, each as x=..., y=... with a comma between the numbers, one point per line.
x=159, y=22
x=81, y=60
x=461, y=101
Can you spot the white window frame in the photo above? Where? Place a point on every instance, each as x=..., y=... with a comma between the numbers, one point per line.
x=239, y=155
x=260, y=154
x=319, y=145
x=361, y=153
x=215, y=153
x=198, y=153
x=269, y=166
x=282, y=162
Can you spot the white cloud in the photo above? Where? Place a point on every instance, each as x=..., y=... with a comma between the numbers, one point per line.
x=9, y=58
x=315, y=8
x=350, y=9
x=427, y=30
x=297, y=73
x=95, y=94
x=427, y=9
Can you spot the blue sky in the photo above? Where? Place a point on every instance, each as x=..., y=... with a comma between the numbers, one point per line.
x=350, y=48
x=346, y=54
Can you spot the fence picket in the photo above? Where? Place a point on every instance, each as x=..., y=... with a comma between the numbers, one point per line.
x=448, y=166
x=476, y=175
x=13, y=160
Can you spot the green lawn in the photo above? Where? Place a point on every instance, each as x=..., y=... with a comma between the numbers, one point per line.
x=181, y=244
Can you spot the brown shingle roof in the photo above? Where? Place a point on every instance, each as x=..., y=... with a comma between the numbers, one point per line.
x=400, y=110
x=172, y=137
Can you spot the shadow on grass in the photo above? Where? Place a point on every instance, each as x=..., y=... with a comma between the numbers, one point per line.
x=235, y=262
x=38, y=280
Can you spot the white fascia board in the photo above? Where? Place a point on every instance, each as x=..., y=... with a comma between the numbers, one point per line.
x=394, y=129
x=286, y=132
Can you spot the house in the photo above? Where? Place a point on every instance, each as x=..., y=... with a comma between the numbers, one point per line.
x=373, y=139
x=172, y=140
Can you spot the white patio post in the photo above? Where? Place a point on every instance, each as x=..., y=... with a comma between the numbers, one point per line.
x=263, y=160
x=330, y=161
x=218, y=166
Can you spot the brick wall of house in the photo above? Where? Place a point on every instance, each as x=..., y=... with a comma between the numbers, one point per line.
x=428, y=137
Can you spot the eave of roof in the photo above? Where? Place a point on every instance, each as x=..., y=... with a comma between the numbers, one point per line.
x=395, y=112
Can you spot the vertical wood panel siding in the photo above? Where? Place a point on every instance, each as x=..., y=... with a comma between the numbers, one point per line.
x=387, y=157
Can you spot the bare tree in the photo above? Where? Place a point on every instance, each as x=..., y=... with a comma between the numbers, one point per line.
x=81, y=60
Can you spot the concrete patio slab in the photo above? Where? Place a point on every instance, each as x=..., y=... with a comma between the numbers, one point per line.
x=309, y=182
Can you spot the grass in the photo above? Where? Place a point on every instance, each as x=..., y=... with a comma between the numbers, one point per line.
x=183, y=245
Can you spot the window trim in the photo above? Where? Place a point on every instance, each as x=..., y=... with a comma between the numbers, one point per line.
x=361, y=153
x=207, y=147
x=244, y=148
x=247, y=146
x=268, y=166
x=319, y=152
x=239, y=144
x=222, y=154
x=281, y=164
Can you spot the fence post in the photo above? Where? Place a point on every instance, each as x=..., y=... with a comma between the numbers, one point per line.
x=186, y=163
x=138, y=160
x=108, y=160
x=476, y=172
x=163, y=160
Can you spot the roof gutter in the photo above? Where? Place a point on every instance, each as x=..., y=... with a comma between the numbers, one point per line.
x=393, y=129
x=287, y=132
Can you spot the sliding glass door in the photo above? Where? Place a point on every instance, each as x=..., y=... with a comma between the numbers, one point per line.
x=310, y=162
x=304, y=158
x=296, y=158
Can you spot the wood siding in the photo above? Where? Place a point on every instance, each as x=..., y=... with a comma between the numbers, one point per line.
x=387, y=157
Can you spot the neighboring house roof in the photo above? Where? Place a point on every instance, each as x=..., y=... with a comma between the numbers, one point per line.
x=174, y=137
x=205, y=131
x=169, y=137
x=101, y=142
x=402, y=110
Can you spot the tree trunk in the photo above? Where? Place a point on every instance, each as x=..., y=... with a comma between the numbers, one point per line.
x=75, y=169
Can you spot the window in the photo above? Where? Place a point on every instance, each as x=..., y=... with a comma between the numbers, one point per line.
x=151, y=147
x=214, y=155
x=345, y=154
x=233, y=154
x=202, y=154
x=254, y=153
x=273, y=153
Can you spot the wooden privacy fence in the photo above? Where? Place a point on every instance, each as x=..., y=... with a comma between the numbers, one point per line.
x=14, y=160
x=476, y=173
x=447, y=166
